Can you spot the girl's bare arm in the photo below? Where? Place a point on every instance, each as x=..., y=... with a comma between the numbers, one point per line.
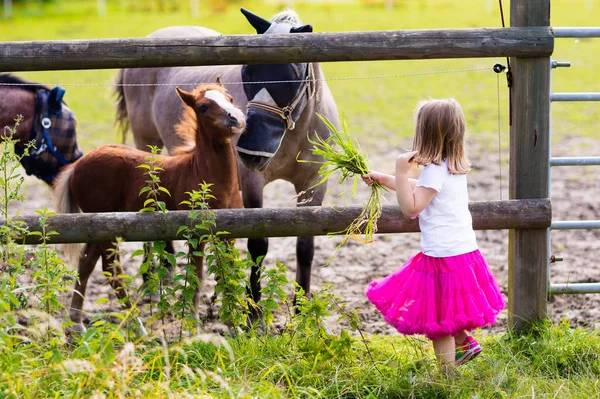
x=410, y=199
x=386, y=180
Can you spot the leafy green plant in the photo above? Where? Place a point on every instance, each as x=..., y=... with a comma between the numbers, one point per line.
x=152, y=189
x=230, y=273
x=51, y=276
x=222, y=259
x=187, y=282
x=272, y=292
x=12, y=254
x=156, y=258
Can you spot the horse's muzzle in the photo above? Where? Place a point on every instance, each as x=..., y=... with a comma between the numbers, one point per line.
x=237, y=125
x=255, y=163
x=261, y=140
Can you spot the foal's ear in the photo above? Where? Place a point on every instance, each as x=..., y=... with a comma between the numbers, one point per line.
x=186, y=97
x=219, y=82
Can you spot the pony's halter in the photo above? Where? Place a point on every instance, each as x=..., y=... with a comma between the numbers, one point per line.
x=53, y=131
x=286, y=113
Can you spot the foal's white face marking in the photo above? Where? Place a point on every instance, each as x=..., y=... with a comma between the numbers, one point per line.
x=222, y=102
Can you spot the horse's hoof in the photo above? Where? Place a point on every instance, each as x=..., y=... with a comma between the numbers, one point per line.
x=76, y=329
x=257, y=325
x=141, y=329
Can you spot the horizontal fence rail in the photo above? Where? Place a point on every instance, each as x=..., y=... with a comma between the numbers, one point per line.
x=272, y=222
x=575, y=225
x=575, y=288
x=575, y=97
x=574, y=161
x=276, y=48
x=577, y=32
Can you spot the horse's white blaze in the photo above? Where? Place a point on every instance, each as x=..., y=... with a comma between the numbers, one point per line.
x=279, y=27
x=222, y=102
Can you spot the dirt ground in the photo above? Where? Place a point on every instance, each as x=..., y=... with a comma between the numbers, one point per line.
x=575, y=193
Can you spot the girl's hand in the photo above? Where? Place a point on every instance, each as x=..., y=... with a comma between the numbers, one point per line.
x=370, y=178
x=404, y=162
x=384, y=179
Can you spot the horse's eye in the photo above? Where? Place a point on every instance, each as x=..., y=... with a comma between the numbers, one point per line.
x=203, y=108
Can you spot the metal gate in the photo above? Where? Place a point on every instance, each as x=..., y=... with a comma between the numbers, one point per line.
x=570, y=288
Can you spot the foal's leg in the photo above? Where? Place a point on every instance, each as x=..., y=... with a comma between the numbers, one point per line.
x=169, y=248
x=87, y=262
x=111, y=265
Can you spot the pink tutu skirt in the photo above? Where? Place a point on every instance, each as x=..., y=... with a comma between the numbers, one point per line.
x=438, y=296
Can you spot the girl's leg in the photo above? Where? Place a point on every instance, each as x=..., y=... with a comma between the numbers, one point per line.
x=460, y=337
x=444, y=349
x=467, y=348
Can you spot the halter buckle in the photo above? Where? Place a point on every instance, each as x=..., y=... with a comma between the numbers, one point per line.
x=287, y=115
x=46, y=123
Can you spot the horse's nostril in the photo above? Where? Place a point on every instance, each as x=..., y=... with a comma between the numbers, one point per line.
x=235, y=121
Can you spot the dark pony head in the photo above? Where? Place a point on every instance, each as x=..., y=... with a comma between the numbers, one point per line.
x=277, y=94
x=53, y=129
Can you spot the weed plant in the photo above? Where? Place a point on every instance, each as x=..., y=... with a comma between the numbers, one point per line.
x=156, y=262
x=50, y=275
x=12, y=257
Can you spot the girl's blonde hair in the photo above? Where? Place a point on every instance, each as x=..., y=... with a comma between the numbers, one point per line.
x=440, y=134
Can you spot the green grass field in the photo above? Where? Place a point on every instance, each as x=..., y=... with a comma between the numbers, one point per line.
x=376, y=98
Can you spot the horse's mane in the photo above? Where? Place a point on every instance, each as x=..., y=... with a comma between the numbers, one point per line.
x=289, y=16
x=12, y=81
x=187, y=126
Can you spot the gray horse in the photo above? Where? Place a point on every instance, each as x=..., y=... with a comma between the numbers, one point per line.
x=281, y=103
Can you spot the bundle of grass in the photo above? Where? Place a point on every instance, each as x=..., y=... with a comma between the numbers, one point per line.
x=342, y=154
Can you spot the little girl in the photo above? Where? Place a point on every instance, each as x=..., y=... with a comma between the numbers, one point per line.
x=446, y=289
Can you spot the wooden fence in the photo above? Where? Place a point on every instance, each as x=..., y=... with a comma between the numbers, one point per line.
x=280, y=48
x=271, y=222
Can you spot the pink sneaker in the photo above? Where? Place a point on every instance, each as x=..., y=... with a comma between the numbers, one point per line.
x=467, y=351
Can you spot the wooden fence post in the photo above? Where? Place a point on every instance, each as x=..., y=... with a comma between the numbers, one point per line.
x=529, y=163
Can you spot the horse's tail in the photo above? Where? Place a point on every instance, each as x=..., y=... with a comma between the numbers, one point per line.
x=65, y=203
x=122, y=119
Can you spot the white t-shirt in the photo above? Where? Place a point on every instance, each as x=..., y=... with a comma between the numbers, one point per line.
x=446, y=224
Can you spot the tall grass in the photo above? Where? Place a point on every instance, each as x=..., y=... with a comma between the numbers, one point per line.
x=549, y=361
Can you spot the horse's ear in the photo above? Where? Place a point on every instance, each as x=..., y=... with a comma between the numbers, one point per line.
x=219, y=82
x=260, y=24
x=55, y=99
x=186, y=97
x=302, y=29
